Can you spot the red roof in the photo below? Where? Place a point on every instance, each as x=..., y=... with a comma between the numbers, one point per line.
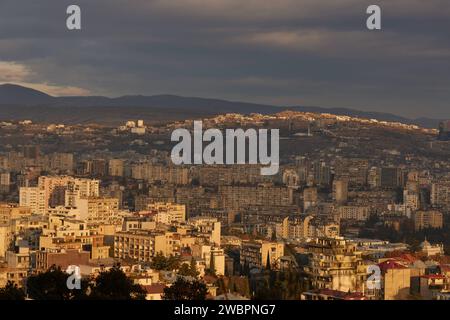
x=155, y=288
x=355, y=296
x=186, y=254
x=209, y=278
x=433, y=276
x=342, y=295
x=390, y=264
x=408, y=257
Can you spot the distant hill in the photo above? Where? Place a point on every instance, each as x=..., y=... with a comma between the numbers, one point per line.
x=17, y=95
x=17, y=102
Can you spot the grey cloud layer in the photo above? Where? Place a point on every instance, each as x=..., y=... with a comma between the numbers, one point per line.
x=309, y=52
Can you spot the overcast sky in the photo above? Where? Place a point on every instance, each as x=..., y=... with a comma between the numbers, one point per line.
x=284, y=52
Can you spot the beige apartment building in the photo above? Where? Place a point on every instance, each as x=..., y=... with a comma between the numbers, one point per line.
x=55, y=187
x=261, y=253
x=53, y=191
x=340, y=191
x=396, y=280
x=6, y=237
x=209, y=226
x=296, y=228
x=168, y=213
x=142, y=245
x=17, y=276
x=428, y=219
x=440, y=194
x=171, y=243
x=228, y=175
x=150, y=172
x=98, y=209
x=235, y=197
x=9, y=211
x=60, y=257
x=309, y=198
x=356, y=213
x=61, y=161
x=136, y=245
x=336, y=264
x=34, y=198
x=116, y=167
x=213, y=257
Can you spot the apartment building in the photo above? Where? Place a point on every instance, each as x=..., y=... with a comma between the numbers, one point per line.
x=9, y=211
x=310, y=198
x=336, y=264
x=6, y=236
x=152, y=172
x=168, y=213
x=98, y=209
x=171, y=243
x=207, y=225
x=340, y=191
x=396, y=280
x=134, y=245
x=356, y=213
x=116, y=167
x=260, y=254
x=34, y=198
x=235, y=197
x=53, y=191
x=428, y=219
x=353, y=170
x=229, y=175
x=61, y=258
x=440, y=194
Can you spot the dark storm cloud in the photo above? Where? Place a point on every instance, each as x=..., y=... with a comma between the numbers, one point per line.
x=308, y=52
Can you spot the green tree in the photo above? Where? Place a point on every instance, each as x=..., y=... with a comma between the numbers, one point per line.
x=212, y=267
x=193, y=268
x=173, y=263
x=246, y=269
x=52, y=285
x=273, y=237
x=115, y=285
x=186, y=290
x=184, y=270
x=268, y=267
x=11, y=292
x=159, y=262
x=188, y=270
x=280, y=285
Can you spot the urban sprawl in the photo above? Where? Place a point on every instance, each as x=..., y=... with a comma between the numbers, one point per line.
x=351, y=196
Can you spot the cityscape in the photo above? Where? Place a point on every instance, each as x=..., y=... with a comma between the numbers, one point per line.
x=358, y=210
x=224, y=157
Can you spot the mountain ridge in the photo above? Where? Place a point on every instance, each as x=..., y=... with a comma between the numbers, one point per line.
x=17, y=101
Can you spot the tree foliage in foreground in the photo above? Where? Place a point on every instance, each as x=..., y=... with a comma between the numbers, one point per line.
x=112, y=284
x=115, y=285
x=52, y=285
x=11, y=292
x=186, y=290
